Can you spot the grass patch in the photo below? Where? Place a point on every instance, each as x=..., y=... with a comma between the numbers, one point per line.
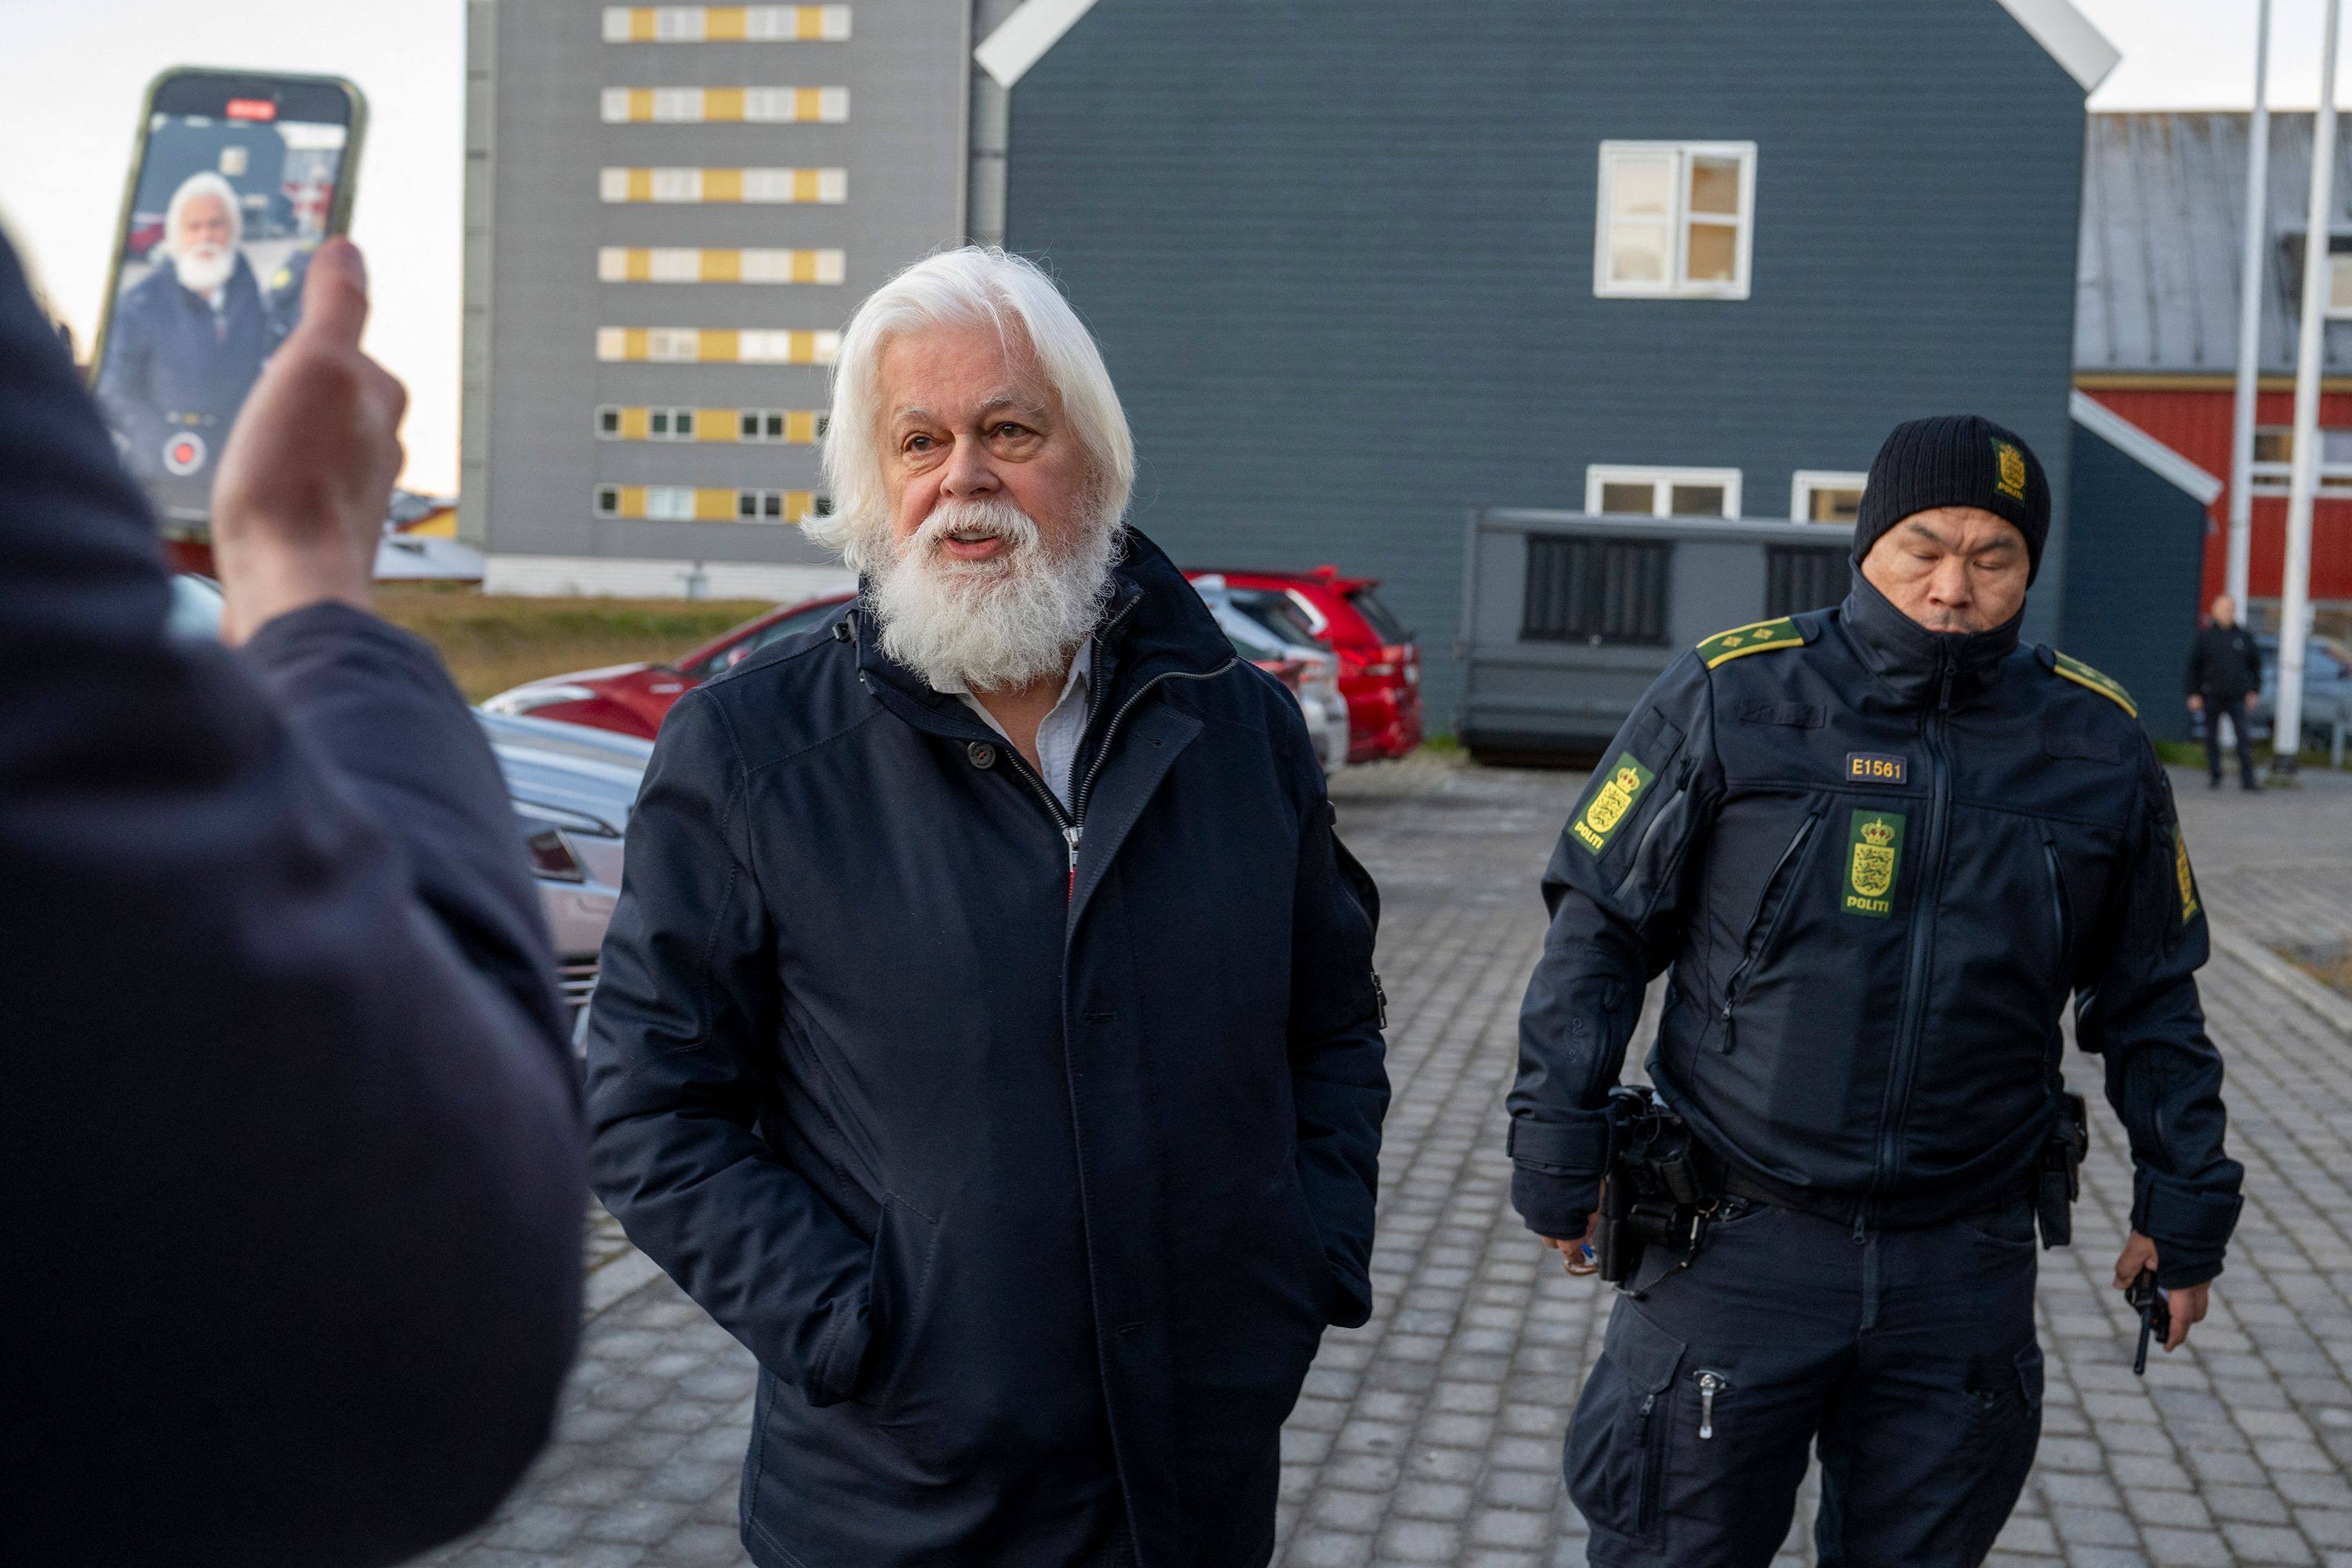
x=492, y=641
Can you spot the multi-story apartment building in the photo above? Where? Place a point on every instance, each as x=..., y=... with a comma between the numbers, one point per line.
x=670, y=211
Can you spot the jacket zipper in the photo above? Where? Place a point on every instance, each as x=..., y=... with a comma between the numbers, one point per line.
x=1073, y=820
x=1757, y=940
x=2057, y=900
x=1926, y=892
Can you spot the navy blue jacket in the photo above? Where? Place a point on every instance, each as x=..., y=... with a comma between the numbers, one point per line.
x=291, y=1154
x=1880, y=861
x=169, y=369
x=1030, y=1181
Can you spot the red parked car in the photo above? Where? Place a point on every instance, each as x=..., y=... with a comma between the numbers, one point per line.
x=634, y=697
x=1380, y=664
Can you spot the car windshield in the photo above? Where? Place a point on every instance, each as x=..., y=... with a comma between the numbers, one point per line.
x=1274, y=612
x=735, y=653
x=1385, y=627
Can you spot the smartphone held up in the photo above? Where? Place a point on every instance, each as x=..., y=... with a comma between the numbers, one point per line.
x=238, y=179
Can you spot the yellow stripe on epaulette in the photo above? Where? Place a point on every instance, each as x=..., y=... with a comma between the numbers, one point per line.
x=2081, y=674
x=1762, y=636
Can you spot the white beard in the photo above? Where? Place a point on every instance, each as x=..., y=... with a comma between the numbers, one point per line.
x=990, y=625
x=206, y=270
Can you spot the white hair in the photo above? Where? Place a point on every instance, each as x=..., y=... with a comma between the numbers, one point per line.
x=204, y=183
x=969, y=286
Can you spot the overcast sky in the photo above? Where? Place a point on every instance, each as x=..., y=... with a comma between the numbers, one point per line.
x=72, y=74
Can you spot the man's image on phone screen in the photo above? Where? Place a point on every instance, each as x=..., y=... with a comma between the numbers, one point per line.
x=225, y=214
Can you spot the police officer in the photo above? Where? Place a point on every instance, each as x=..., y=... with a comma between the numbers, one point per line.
x=1880, y=847
x=2225, y=672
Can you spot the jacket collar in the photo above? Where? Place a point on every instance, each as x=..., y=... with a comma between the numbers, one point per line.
x=1913, y=662
x=1153, y=625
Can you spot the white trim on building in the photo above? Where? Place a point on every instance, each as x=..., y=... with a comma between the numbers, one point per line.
x=1600, y=477
x=2069, y=37
x=1805, y=481
x=2142, y=447
x=1024, y=38
x=1649, y=221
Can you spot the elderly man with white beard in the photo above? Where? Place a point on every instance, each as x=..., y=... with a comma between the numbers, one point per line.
x=988, y=1036
x=188, y=341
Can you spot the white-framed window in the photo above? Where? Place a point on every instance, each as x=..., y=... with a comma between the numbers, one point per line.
x=2272, y=471
x=608, y=500
x=2339, y=278
x=608, y=423
x=1661, y=492
x=669, y=423
x=1821, y=495
x=1676, y=220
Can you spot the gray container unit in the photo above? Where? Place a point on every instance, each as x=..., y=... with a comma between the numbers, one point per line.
x=1568, y=617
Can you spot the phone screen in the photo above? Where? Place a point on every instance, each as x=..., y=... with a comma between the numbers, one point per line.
x=237, y=183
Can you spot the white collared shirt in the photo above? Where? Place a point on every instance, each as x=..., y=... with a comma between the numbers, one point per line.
x=1060, y=732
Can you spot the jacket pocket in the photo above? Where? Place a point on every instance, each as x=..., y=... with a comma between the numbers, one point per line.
x=2060, y=915
x=1618, y=1443
x=905, y=1242
x=1763, y=923
x=1315, y=1263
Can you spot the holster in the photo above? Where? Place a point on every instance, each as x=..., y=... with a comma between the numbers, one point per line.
x=1655, y=1194
x=2058, y=1179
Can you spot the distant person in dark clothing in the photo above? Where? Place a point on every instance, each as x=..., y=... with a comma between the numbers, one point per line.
x=292, y=1153
x=2225, y=674
x=188, y=340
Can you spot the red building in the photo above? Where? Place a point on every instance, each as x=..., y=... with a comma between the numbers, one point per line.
x=2155, y=323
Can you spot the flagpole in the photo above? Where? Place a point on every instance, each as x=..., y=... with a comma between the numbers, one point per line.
x=2295, y=598
x=2250, y=319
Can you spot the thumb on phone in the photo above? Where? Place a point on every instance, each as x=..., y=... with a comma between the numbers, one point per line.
x=335, y=294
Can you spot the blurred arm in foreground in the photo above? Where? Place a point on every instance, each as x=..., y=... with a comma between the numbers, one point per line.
x=291, y=1156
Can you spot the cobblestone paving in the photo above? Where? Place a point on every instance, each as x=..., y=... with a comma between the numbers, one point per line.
x=1432, y=1434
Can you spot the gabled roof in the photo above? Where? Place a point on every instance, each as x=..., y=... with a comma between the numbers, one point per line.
x=1021, y=39
x=2069, y=37
x=2164, y=202
x=2142, y=447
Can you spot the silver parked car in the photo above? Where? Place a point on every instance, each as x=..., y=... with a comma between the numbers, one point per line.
x=2326, y=687
x=573, y=789
x=1261, y=628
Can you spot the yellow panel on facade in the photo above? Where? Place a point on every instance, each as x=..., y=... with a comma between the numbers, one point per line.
x=804, y=184
x=641, y=104
x=798, y=504
x=641, y=185
x=723, y=103
x=719, y=347
x=633, y=340
x=723, y=23
x=800, y=426
x=633, y=501
x=641, y=25
x=722, y=266
x=722, y=184
x=714, y=505
x=633, y=424
x=808, y=104
x=714, y=425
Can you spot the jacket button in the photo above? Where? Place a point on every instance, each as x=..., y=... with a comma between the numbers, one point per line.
x=983, y=754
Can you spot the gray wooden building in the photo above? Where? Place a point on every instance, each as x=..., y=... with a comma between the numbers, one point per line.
x=1362, y=269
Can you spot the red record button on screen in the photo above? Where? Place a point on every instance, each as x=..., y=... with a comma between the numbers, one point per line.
x=251, y=109
x=183, y=455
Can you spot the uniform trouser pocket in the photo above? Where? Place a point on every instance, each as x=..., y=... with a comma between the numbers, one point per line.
x=1618, y=1441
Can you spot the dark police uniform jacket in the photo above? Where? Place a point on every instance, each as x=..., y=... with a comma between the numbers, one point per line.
x=1031, y=1168
x=1879, y=861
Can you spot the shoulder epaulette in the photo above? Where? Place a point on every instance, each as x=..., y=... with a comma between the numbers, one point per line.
x=2081, y=674
x=1763, y=636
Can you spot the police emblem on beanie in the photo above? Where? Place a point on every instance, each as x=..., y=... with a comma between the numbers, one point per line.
x=1955, y=459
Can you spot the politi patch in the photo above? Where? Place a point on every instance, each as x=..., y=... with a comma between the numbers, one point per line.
x=1874, y=859
x=1611, y=803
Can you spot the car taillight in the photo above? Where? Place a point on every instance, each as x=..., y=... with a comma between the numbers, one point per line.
x=553, y=858
x=1291, y=672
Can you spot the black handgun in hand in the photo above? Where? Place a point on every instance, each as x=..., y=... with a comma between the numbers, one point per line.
x=2155, y=1317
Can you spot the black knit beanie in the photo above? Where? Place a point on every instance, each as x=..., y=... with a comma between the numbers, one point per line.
x=1956, y=459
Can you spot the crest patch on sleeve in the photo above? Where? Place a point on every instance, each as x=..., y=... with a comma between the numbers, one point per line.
x=1612, y=801
x=2181, y=872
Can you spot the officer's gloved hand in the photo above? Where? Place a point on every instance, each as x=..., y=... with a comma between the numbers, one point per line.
x=2188, y=1304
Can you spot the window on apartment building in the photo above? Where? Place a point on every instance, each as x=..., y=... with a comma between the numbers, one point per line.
x=2339, y=277
x=771, y=504
x=1817, y=496
x=2274, y=465
x=1676, y=220
x=1595, y=591
x=772, y=425
x=1662, y=492
x=608, y=500
x=608, y=422
x=1800, y=577
x=669, y=503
